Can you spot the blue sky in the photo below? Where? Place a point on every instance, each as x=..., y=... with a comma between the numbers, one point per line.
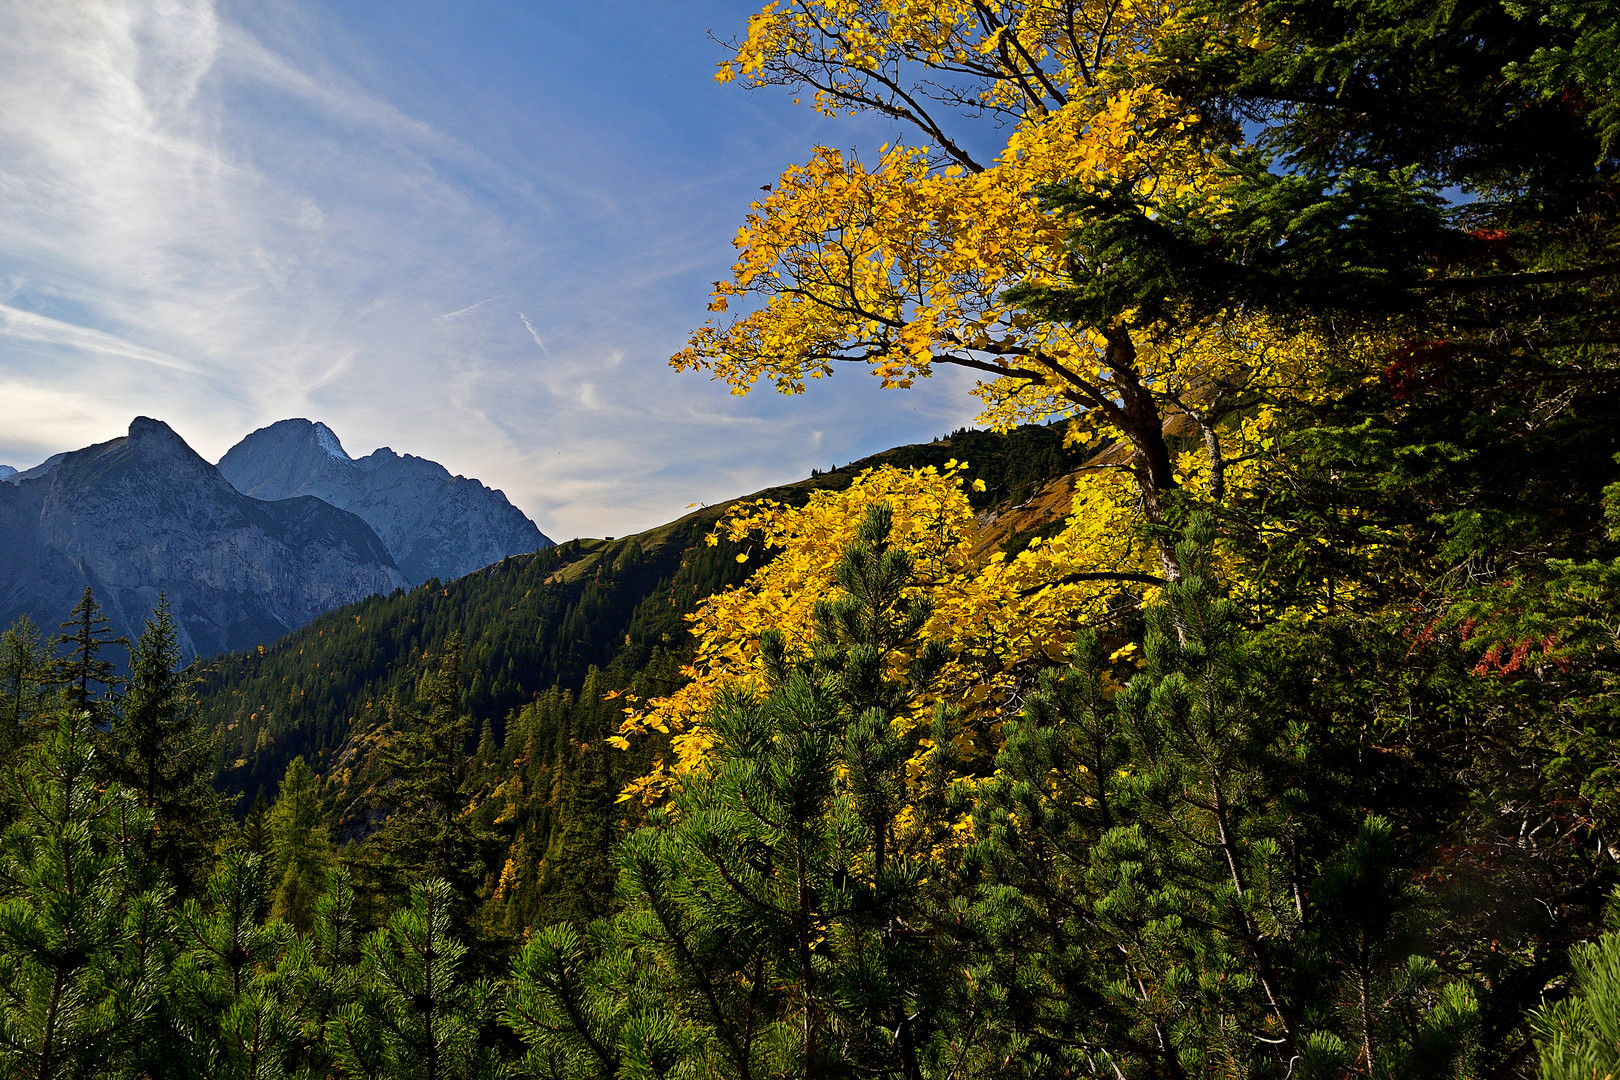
x=467, y=230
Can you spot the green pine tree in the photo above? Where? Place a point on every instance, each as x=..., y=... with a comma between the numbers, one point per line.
x=156, y=746
x=1162, y=889
x=226, y=1018
x=320, y=976
x=1579, y=1037
x=780, y=916
x=78, y=980
x=418, y=1017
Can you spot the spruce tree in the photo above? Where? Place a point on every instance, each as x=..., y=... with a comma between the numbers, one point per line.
x=300, y=848
x=579, y=865
x=23, y=683
x=256, y=826
x=82, y=669
x=427, y=834
x=156, y=746
x=77, y=981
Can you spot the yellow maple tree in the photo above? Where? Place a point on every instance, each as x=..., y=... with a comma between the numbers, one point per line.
x=999, y=617
x=904, y=263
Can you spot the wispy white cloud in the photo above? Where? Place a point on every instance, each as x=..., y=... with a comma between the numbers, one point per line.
x=225, y=222
x=529, y=326
x=29, y=326
x=345, y=103
x=470, y=307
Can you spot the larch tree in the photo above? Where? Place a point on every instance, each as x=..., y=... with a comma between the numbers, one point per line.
x=300, y=848
x=82, y=668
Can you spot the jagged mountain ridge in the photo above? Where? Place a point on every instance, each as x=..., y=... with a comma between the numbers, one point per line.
x=16, y=477
x=144, y=514
x=435, y=525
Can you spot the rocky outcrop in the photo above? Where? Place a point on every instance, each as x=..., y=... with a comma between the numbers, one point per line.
x=39, y=470
x=434, y=524
x=145, y=514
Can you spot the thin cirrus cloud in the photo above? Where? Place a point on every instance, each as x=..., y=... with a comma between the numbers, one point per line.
x=434, y=226
x=459, y=312
x=535, y=334
x=30, y=326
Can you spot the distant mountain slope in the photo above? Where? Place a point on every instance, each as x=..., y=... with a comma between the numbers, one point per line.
x=15, y=477
x=7, y=471
x=534, y=622
x=546, y=637
x=145, y=514
x=435, y=525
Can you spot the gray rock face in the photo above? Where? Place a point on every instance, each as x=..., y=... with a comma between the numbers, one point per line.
x=6, y=471
x=37, y=471
x=144, y=514
x=435, y=525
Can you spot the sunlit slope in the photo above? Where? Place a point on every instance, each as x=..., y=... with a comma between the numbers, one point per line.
x=534, y=622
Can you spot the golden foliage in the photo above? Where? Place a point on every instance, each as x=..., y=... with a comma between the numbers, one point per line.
x=904, y=263
x=998, y=616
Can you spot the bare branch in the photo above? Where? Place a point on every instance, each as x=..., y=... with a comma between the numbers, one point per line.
x=1538, y=277
x=1097, y=575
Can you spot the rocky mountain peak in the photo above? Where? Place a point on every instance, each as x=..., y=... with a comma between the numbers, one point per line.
x=144, y=427
x=143, y=515
x=151, y=439
x=434, y=524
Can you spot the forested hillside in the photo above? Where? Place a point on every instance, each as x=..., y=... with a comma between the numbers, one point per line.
x=533, y=622
x=544, y=638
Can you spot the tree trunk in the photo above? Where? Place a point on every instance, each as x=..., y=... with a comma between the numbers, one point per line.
x=1143, y=424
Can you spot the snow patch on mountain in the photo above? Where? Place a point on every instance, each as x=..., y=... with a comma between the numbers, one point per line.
x=327, y=440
